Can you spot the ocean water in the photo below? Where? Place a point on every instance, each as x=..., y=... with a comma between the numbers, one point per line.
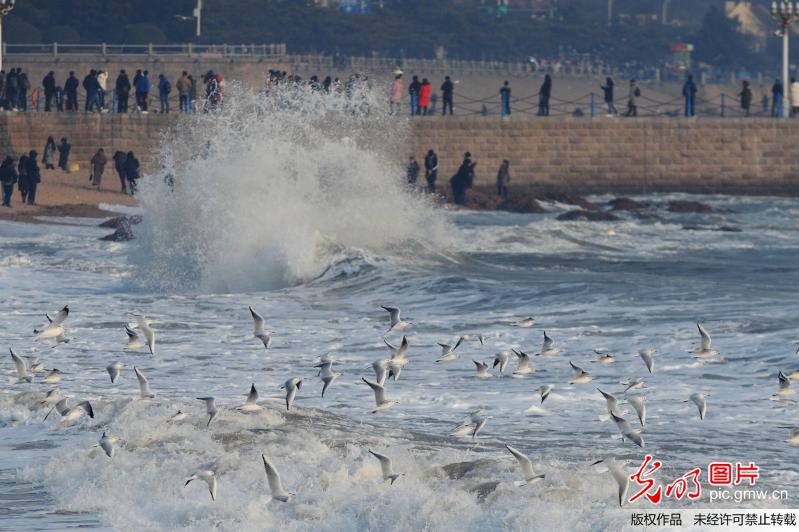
x=317, y=249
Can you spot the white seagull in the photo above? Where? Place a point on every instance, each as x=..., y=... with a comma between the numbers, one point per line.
x=604, y=357
x=700, y=400
x=785, y=386
x=619, y=475
x=251, y=405
x=525, y=323
x=482, y=370
x=23, y=375
x=291, y=386
x=379, y=367
x=612, y=402
x=527, y=468
x=580, y=375
x=523, y=360
x=106, y=443
x=648, y=356
x=207, y=476
x=544, y=391
x=703, y=349
x=381, y=402
x=548, y=347
x=396, y=323
x=273, y=478
x=328, y=376
x=72, y=414
x=386, y=467
x=54, y=328
x=210, y=408
x=634, y=383
x=144, y=385
x=180, y=415
x=627, y=431
x=147, y=331
x=638, y=402
x=52, y=377
x=134, y=340
x=448, y=352
x=258, y=329
x=114, y=370
x=794, y=438
x=501, y=360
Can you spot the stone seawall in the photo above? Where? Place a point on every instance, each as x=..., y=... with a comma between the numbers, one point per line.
x=577, y=156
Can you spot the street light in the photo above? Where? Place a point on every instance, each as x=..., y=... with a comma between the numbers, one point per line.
x=785, y=13
x=5, y=8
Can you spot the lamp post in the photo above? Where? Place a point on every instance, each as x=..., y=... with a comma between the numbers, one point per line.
x=5, y=8
x=198, y=13
x=785, y=13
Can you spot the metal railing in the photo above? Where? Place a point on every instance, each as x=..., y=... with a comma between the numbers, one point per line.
x=189, y=49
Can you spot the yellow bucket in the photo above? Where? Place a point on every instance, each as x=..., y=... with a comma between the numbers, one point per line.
x=73, y=167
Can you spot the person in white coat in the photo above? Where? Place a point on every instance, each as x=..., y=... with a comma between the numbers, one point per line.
x=102, y=80
x=794, y=97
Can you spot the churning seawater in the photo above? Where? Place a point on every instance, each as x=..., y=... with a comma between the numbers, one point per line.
x=317, y=250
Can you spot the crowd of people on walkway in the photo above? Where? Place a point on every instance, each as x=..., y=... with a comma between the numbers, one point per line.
x=101, y=94
x=25, y=172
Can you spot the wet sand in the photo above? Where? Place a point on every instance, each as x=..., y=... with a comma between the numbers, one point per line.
x=64, y=194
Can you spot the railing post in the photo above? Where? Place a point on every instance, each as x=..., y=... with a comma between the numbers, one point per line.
x=722, y=105
x=189, y=49
x=150, y=49
x=593, y=105
x=103, y=49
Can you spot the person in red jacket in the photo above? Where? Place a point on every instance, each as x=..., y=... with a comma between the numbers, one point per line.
x=424, y=96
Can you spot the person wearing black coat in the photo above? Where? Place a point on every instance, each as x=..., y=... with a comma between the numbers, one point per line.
x=413, y=92
x=607, y=88
x=22, y=182
x=463, y=179
x=71, y=90
x=63, y=154
x=34, y=177
x=8, y=177
x=447, y=88
x=119, y=166
x=12, y=89
x=543, y=96
x=431, y=170
x=123, y=87
x=48, y=83
x=132, y=170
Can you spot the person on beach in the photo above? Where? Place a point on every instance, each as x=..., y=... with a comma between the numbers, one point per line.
x=71, y=90
x=8, y=177
x=504, y=98
x=503, y=178
x=397, y=88
x=119, y=166
x=412, y=171
x=131, y=171
x=34, y=177
x=746, y=97
x=425, y=91
x=49, y=154
x=632, y=97
x=63, y=154
x=543, y=96
x=431, y=170
x=463, y=179
x=98, y=163
x=447, y=90
x=123, y=91
x=22, y=181
x=607, y=88
x=413, y=92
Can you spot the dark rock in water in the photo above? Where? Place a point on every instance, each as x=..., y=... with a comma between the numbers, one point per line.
x=123, y=234
x=587, y=216
x=626, y=204
x=571, y=200
x=720, y=228
x=524, y=203
x=689, y=207
x=458, y=470
x=479, y=201
x=121, y=221
x=485, y=489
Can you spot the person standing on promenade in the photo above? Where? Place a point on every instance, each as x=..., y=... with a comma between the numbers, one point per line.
x=34, y=177
x=193, y=94
x=122, y=88
x=49, y=154
x=503, y=178
x=413, y=92
x=607, y=88
x=98, y=163
x=424, y=96
x=24, y=87
x=71, y=90
x=22, y=182
x=543, y=96
x=164, y=88
x=689, y=93
x=463, y=179
x=12, y=90
x=447, y=90
x=746, y=97
x=63, y=154
x=632, y=106
x=48, y=83
x=8, y=177
x=143, y=91
x=91, y=87
x=777, y=94
x=413, y=172
x=184, y=88
x=397, y=88
x=102, y=88
x=794, y=97
x=119, y=166
x=431, y=170
x=59, y=99
x=504, y=99
x=132, y=171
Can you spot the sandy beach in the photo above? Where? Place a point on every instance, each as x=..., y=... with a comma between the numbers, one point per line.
x=64, y=194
